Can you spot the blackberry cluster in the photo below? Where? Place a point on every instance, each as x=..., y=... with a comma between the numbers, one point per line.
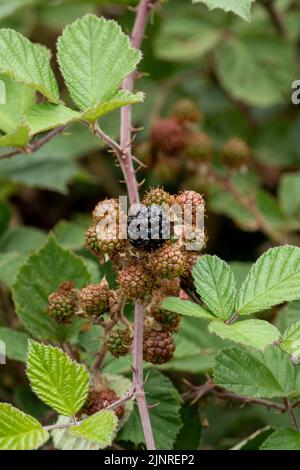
x=149, y=228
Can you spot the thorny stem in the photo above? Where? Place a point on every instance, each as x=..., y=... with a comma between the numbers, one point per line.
x=247, y=202
x=31, y=148
x=125, y=158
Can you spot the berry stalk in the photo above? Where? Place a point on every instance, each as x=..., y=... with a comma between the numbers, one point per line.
x=126, y=163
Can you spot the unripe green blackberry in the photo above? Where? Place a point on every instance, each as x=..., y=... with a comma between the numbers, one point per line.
x=199, y=147
x=185, y=110
x=190, y=259
x=167, y=262
x=168, y=320
x=143, y=152
x=235, y=153
x=157, y=196
x=135, y=282
x=107, y=209
x=98, y=400
x=109, y=241
x=94, y=299
x=91, y=241
x=158, y=347
x=168, y=136
x=62, y=303
x=119, y=342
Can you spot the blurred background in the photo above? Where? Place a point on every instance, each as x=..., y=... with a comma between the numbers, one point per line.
x=241, y=150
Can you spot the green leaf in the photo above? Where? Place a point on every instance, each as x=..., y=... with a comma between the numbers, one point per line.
x=11, y=7
x=254, y=441
x=256, y=69
x=99, y=428
x=255, y=333
x=22, y=239
x=255, y=374
x=41, y=275
x=57, y=380
x=273, y=279
x=10, y=264
x=283, y=439
x=186, y=308
x=239, y=7
x=164, y=416
x=69, y=234
x=19, y=431
x=291, y=340
x=18, y=98
x=215, y=283
x=45, y=116
x=16, y=343
x=288, y=315
x=94, y=56
x=187, y=440
x=289, y=196
x=121, y=98
x=27, y=63
x=18, y=138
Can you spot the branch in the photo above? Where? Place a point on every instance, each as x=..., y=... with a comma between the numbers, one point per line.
x=247, y=203
x=128, y=396
x=275, y=16
x=31, y=148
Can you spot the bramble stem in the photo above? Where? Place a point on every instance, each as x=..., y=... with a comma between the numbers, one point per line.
x=127, y=167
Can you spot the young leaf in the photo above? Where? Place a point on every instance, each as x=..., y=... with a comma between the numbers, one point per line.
x=215, y=284
x=239, y=7
x=273, y=279
x=18, y=138
x=186, y=307
x=121, y=98
x=45, y=116
x=291, y=340
x=16, y=343
x=283, y=439
x=27, y=63
x=255, y=374
x=94, y=56
x=19, y=431
x=99, y=428
x=39, y=276
x=255, y=333
x=164, y=417
x=57, y=380
x=18, y=98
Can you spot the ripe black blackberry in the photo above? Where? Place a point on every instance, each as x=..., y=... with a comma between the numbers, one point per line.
x=148, y=228
x=158, y=346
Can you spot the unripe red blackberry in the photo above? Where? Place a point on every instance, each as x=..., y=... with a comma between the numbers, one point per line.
x=135, y=282
x=235, y=153
x=94, y=299
x=62, y=303
x=108, y=209
x=148, y=228
x=98, y=400
x=167, y=135
x=199, y=147
x=168, y=320
x=158, y=347
x=119, y=342
x=190, y=197
x=185, y=110
x=167, y=262
x=157, y=196
x=91, y=241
